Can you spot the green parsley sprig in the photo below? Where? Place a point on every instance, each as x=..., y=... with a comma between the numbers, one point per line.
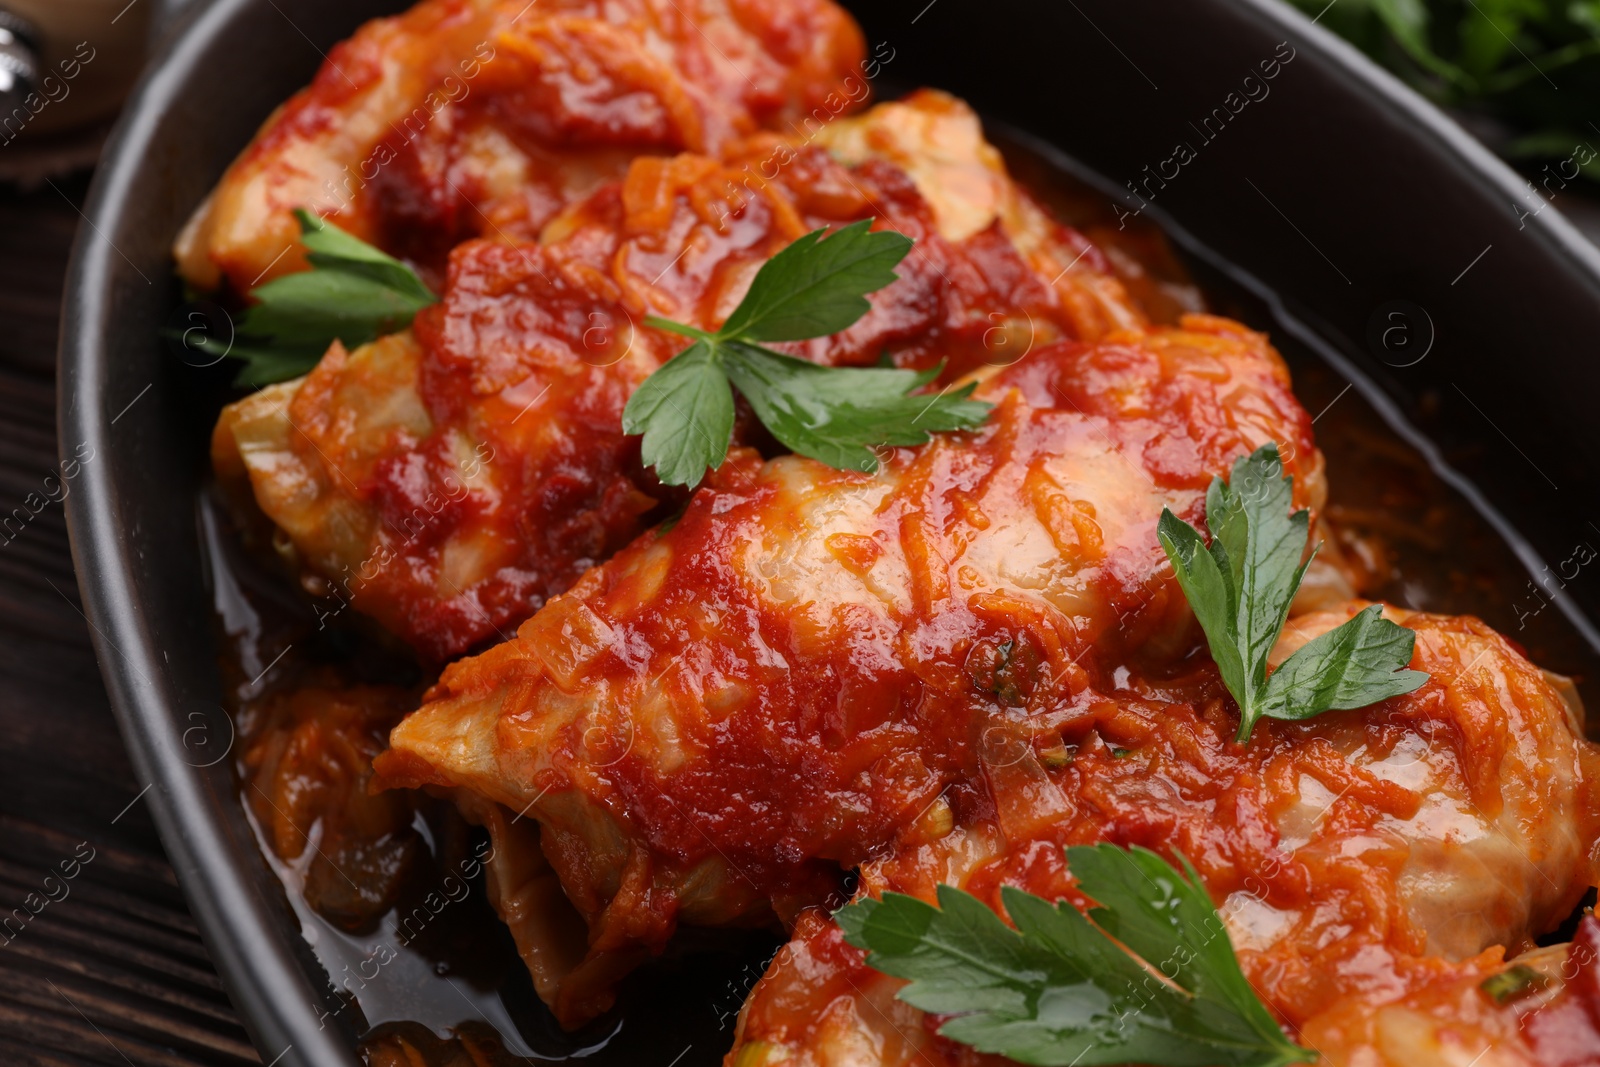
x=1531, y=65
x=1241, y=588
x=815, y=287
x=1152, y=979
x=353, y=293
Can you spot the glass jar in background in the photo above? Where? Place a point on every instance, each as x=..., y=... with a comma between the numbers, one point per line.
x=65, y=69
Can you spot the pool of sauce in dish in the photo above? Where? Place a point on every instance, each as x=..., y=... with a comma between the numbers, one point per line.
x=448, y=990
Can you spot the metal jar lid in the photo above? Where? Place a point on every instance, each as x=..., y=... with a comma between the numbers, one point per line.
x=19, y=61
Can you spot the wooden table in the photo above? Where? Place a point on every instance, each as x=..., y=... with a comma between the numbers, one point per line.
x=111, y=969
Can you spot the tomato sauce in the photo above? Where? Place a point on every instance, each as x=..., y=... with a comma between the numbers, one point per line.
x=1125, y=761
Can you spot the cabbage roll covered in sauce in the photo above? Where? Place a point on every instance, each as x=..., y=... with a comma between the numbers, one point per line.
x=1372, y=867
x=707, y=707
x=448, y=479
x=809, y=663
x=462, y=118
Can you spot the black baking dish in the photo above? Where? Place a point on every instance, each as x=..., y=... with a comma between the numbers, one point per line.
x=1338, y=205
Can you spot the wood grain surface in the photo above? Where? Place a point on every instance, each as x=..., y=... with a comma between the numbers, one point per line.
x=100, y=962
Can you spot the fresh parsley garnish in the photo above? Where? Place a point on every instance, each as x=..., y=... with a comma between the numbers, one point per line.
x=353, y=293
x=1241, y=587
x=1509, y=60
x=815, y=287
x=1152, y=979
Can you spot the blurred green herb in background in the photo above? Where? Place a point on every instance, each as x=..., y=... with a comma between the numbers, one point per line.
x=1533, y=65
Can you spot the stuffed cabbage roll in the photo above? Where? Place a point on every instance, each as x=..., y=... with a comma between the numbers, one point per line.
x=806, y=665
x=447, y=480
x=467, y=117
x=1372, y=867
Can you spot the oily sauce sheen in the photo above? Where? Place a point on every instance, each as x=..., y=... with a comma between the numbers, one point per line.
x=556, y=178
x=1103, y=746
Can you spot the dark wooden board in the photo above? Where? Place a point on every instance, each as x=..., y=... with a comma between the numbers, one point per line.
x=111, y=969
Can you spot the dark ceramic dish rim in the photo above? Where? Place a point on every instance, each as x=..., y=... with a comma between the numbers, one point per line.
x=267, y=982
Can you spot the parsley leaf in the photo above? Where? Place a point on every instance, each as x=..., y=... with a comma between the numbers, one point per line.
x=815, y=287
x=1240, y=589
x=834, y=415
x=1515, y=62
x=1351, y=666
x=691, y=385
x=1152, y=979
x=353, y=293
